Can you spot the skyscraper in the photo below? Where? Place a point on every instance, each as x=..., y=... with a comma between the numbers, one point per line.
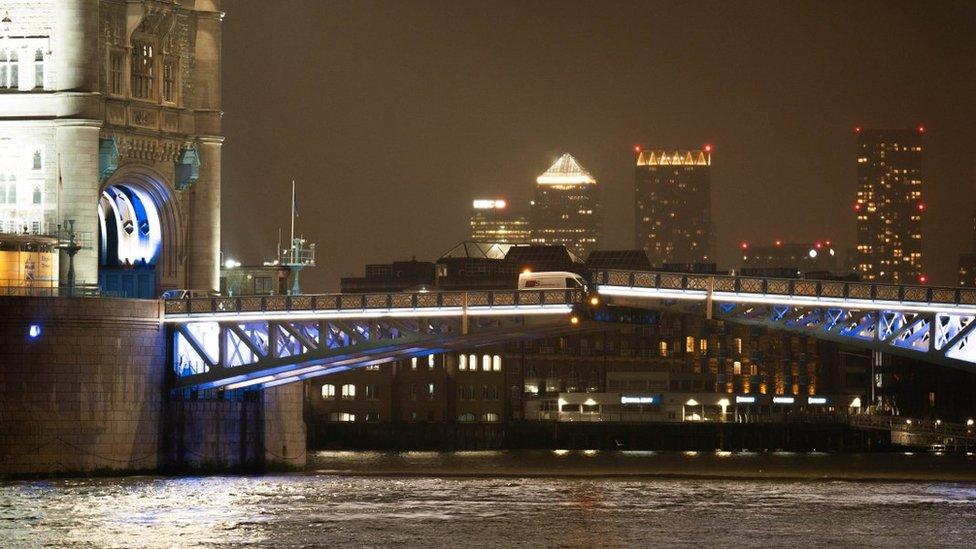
x=566, y=209
x=889, y=205
x=493, y=221
x=673, y=206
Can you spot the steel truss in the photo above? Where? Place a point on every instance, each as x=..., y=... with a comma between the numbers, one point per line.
x=942, y=338
x=258, y=354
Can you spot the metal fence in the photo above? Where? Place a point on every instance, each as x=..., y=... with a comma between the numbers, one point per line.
x=372, y=301
x=787, y=287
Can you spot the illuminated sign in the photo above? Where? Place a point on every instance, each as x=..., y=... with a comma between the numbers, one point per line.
x=640, y=399
x=817, y=400
x=489, y=204
x=783, y=400
x=745, y=400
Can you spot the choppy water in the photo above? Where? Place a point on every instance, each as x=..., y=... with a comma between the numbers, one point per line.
x=541, y=499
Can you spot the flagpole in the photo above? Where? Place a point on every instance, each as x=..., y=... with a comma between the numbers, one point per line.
x=292, y=213
x=57, y=213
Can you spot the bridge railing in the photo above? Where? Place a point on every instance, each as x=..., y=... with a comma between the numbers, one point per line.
x=371, y=301
x=796, y=287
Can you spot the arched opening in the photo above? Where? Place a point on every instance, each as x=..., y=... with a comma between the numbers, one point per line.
x=136, y=236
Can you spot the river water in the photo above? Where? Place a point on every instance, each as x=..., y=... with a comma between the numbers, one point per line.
x=517, y=499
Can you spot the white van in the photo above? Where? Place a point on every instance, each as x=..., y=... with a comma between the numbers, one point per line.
x=551, y=280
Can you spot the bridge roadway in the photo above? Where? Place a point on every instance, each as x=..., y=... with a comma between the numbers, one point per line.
x=928, y=323
x=263, y=341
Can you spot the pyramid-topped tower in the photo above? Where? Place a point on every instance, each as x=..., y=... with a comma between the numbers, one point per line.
x=566, y=210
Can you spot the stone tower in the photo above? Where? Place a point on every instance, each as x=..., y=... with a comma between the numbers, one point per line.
x=110, y=117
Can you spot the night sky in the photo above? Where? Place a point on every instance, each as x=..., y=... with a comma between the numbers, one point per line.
x=393, y=116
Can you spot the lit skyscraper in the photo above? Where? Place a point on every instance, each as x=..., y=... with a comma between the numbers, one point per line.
x=889, y=205
x=566, y=209
x=493, y=221
x=673, y=207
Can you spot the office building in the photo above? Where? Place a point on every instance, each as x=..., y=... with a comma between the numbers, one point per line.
x=492, y=220
x=889, y=205
x=673, y=207
x=566, y=210
x=788, y=259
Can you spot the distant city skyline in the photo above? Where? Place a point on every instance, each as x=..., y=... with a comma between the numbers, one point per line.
x=421, y=107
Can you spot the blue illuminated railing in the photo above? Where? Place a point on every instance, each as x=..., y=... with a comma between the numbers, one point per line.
x=787, y=287
x=371, y=301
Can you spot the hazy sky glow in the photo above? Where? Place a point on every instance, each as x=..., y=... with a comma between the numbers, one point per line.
x=393, y=116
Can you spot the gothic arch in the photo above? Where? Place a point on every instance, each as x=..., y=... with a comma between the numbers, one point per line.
x=155, y=189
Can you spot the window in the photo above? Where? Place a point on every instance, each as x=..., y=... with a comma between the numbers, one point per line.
x=737, y=343
x=430, y=390
x=37, y=194
x=328, y=391
x=372, y=392
x=413, y=363
x=39, y=68
x=462, y=362
x=496, y=363
x=491, y=417
x=703, y=345
x=663, y=348
x=689, y=344
x=349, y=391
x=372, y=417
x=9, y=68
x=466, y=417
x=116, y=62
x=169, y=81
x=472, y=362
x=143, y=70
x=430, y=362
x=591, y=408
x=413, y=391
x=37, y=160
x=373, y=368
x=486, y=363
x=737, y=368
x=344, y=417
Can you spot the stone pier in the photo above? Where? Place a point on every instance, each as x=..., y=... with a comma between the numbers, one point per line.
x=84, y=389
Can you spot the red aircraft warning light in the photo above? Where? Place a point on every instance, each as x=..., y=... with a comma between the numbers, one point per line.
x=922, y=279
x=708, y=148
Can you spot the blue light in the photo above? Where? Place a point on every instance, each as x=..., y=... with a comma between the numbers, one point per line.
x=34, y=331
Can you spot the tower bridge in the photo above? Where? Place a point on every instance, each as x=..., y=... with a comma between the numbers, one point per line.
x=932, y=324
x=260, y=342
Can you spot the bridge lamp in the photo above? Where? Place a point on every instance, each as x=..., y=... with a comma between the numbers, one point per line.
x=594, y=301
x=938, y=422
x=969, y=423
x=574, y=320
x=34, y=331
x=908, y=422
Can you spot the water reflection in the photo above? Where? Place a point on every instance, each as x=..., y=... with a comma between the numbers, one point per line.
x=477, y=499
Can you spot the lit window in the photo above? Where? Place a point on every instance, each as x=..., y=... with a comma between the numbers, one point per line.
x=486, y=363
x=143, y=71
x=466, y=417
x=39, y=68
x=496, y=363
x=344, y=417
x=430, y=390
x=491, y=417
x=689, y=344
x=430, y=362
x=663, y=348
x=472, y=362
x=328, y=391
x=9, y=69
x=413, y=363
x=349, y=391
x=462, y=362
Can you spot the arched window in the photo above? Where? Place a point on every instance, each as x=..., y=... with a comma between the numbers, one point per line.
x=430, y=362
x=37, y=194
x=9, y=69
x=39, y=68
x=663, y=348
x=689, y=344
x=143, y=70
x=328, y=391
x=37, y=160
x=491, y=417
x=486, y=363
x=348, y=391
x=466, y=417
x=496, y=363
x=462, y=362
x=169, y=80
